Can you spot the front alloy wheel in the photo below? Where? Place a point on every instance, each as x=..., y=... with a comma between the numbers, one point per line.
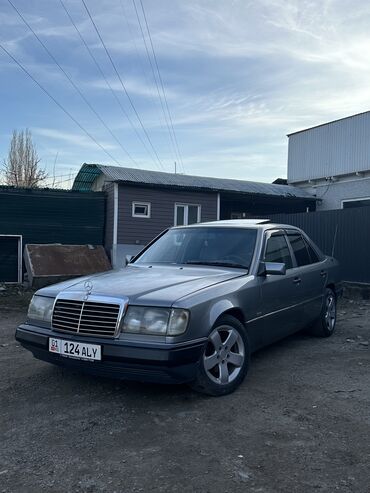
x=225, y=359
x=224, y=355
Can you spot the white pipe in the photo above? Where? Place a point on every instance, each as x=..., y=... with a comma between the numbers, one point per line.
x=115, y=224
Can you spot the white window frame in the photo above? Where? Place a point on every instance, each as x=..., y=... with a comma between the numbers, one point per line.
x=358, y=199
x=186, y=213
x=145, y=204
x=20, y=249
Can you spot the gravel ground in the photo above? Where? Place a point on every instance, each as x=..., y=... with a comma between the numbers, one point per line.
x=299, y=423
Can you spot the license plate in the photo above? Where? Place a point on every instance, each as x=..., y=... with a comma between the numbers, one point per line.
x=78, y=350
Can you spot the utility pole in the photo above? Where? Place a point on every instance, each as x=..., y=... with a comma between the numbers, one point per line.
x=175, y=168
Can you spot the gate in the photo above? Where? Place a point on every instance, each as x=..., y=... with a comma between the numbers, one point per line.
x=10, y=258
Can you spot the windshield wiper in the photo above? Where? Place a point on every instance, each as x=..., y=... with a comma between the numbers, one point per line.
x=217, y=264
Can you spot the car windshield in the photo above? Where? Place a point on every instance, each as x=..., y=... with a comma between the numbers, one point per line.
x=218, y=246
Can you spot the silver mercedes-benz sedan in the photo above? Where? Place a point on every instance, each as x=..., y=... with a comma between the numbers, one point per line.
x=191, y=307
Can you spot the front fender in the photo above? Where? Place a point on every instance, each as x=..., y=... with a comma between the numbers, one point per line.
x=207, y=305
x=220, y=307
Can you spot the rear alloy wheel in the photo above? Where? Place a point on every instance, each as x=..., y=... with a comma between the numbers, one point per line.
x=225, y=358
x=325, y=325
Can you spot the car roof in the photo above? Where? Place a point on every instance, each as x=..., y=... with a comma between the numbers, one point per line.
x=242, y=223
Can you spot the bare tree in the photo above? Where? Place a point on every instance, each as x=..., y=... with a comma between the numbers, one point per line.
x=21, y=168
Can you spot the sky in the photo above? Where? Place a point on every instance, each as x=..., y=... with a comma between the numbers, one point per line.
x=238, y=76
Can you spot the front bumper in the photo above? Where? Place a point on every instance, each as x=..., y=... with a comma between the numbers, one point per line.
x=159, y=363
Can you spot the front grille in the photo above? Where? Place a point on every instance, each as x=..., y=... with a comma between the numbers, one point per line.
x=86, y=317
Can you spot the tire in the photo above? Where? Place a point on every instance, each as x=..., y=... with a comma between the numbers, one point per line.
x=225, y=359
x=325, y=324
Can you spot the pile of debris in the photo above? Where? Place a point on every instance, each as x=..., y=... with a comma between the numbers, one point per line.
x=51, y=263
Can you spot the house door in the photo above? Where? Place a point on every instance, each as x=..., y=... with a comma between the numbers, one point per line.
x=10, y=258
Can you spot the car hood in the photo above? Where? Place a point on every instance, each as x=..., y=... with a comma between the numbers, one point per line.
x=146, y=285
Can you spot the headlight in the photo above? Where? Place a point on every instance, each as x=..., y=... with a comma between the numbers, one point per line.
x=157, y=321
x=41, y=308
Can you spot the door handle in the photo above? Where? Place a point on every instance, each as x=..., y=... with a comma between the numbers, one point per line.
x=297, y=280
x=323, y=273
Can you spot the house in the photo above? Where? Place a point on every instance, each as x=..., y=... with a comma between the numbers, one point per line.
x=332, y=161
x=142, y=203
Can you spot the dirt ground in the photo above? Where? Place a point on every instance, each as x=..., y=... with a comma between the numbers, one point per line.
x=299, y=423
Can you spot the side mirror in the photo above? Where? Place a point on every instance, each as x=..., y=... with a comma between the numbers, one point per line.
x=128, y=259
x=272, y=268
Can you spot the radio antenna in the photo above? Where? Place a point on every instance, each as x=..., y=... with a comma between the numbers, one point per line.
x=334, y=240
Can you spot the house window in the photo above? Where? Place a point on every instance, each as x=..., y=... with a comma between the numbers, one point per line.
x=141, y=209
x=356, y=203
x=186, y=214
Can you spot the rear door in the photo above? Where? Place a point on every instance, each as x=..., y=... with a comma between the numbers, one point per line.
x=279, y=310
x=311, y=273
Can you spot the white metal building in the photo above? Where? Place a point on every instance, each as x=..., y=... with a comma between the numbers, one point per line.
x=332, y=161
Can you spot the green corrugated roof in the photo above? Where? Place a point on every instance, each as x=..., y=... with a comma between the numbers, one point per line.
x=86, y=177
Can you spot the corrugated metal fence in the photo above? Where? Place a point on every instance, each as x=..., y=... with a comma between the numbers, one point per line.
x=350, y=228
x=47, y=216
x=53, y=216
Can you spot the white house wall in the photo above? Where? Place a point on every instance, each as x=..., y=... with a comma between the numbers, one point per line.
x=333, y=193
x=338, y=148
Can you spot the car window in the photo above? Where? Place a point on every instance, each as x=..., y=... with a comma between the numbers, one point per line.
x=313, y=255
x=277, y=250
x=300, y=249
x=202, y=245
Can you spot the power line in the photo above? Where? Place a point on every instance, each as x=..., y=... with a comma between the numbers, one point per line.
x=162, y=85
x=167, y=119
x=74, y=85
x=132, y=37
x=60, y=176
x=122, y=84
x=63, y=181
x=154, y=78
x=140, y=58
x=105, y=78
x=58, y=104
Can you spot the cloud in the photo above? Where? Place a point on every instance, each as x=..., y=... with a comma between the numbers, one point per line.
x=134, y=85
x=71, y=139
x=239, y=75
